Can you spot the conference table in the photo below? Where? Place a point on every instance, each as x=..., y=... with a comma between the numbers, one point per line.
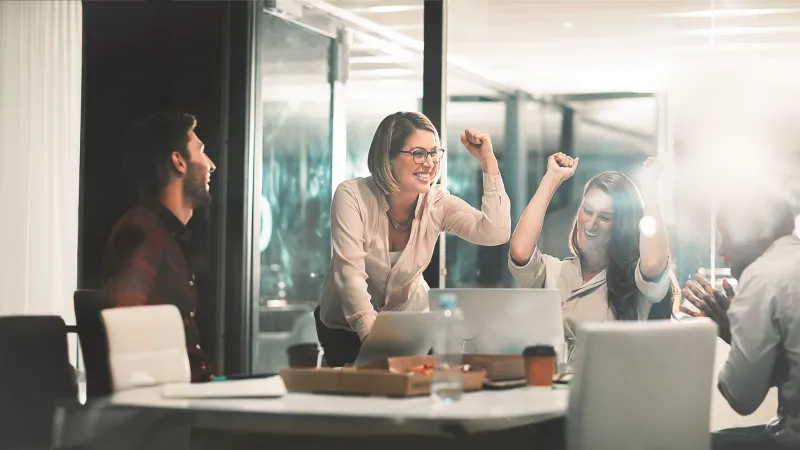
x=480, y=419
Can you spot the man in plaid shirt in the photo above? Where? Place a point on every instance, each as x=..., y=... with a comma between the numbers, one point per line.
x=146, y=258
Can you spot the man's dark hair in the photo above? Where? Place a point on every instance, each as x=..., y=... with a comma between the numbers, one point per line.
x=149, y=148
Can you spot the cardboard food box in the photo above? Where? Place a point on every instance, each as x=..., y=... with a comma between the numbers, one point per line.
x=498, y=367
x=386, y=378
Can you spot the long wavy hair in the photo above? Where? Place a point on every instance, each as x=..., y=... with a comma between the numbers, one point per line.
x=623, y=252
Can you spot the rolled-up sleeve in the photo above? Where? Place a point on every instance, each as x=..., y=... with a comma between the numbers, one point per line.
x=533, y=274
x=653, y=290
x=350, y=276
x=491, y=225
x=746, y=376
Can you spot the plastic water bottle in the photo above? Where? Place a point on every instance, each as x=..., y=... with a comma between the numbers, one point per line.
x=447, y=383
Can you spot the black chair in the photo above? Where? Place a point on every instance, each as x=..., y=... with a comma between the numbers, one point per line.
x=36, y=378
x=94, y=343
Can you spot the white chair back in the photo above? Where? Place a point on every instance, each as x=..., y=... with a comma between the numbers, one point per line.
x=642, y=385
x=146, y=346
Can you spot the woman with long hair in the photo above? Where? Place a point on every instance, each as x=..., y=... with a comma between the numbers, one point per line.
x=384, y=228
x=621, y=263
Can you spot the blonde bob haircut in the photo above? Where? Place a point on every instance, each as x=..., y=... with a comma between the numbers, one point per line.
x=389, y=139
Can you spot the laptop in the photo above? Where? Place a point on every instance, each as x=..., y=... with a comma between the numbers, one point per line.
x=398, y=333
x=505, y=321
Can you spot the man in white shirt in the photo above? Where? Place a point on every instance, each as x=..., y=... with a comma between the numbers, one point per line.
x=761, y=322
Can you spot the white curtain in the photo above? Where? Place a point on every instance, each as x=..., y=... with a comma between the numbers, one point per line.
x=40, y=122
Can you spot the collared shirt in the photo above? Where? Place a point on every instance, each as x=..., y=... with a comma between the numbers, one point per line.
x=583, y=302
x=146, y=263
x=361, y=279
x=765, y=339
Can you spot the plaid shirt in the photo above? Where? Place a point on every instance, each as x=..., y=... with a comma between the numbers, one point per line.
x=146, y=263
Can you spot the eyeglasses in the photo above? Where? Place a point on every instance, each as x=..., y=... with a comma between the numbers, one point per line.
x=421, y=155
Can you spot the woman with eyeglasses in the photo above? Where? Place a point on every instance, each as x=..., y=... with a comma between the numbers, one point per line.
x=384, y=228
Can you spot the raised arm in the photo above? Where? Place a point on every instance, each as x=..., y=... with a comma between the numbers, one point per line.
x=350, y=276
x=653, y=240
x=491, y=225
x=560, y=167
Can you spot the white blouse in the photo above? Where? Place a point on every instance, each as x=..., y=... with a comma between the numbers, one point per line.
x=583, y=302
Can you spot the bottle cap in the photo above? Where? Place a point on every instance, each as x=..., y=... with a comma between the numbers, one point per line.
x=447, y=301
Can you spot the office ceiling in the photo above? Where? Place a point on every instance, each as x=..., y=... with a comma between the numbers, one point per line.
x=728, y=65
x=725, y=63
x=591, y=45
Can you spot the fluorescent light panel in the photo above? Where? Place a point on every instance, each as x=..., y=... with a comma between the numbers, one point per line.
x=730, y=13
x=740, y=31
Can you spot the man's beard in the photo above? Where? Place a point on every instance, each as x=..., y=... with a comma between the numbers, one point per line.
x=194, y=186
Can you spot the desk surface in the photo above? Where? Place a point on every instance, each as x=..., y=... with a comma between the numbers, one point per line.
x=331, y=414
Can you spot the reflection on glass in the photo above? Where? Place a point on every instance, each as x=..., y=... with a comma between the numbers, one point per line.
x=297, y=173
x=470, y=265
x=365, y=109
x=296, y=184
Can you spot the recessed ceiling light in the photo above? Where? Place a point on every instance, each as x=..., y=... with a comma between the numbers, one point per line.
x=567, y=24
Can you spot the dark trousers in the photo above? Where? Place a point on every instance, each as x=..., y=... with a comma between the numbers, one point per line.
x=746, y=438
x=341, y=346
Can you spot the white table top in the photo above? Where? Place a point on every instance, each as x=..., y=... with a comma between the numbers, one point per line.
x=478, y=411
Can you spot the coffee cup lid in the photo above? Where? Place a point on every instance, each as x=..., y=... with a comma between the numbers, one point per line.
x=539, y=350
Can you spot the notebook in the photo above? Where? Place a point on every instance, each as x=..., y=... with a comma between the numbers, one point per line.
x=248, y=388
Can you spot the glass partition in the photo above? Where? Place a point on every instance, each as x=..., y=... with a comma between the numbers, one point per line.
x=296, y=170
x=323, y=88
x=469, y=265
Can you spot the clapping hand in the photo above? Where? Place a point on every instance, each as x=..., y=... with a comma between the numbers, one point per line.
x=710, y=302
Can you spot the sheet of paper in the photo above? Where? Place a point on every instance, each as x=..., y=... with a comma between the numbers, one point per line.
x=258, y=387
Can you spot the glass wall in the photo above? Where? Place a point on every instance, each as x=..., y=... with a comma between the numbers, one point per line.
x=470, y=265
x=607, y=135
x=296, y=187
x=323, y=90
x=365, y=110
x=324, y=85
x=327, y=79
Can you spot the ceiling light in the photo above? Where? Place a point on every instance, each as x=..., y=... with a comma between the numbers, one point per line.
x=389, y=9
x=567, y=24
x=729, y=13
x=739, y=31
